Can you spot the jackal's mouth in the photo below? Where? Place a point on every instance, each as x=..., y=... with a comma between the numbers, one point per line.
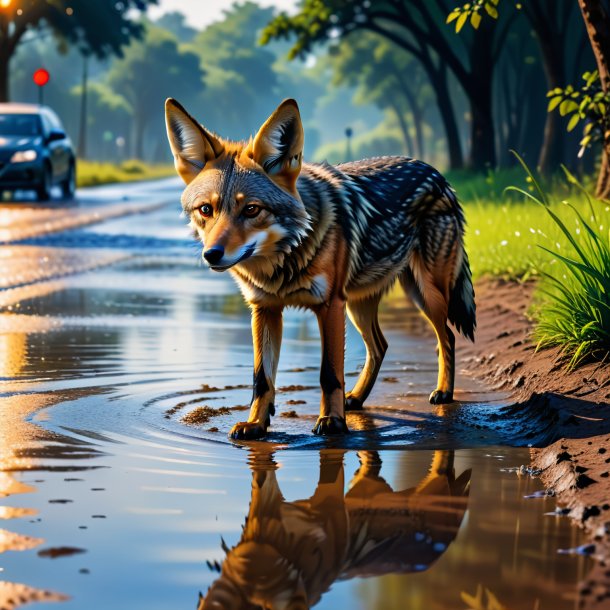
x=247, y=253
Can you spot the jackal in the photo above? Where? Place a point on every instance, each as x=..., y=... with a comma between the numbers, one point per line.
x=290, y=553
x=327, y=238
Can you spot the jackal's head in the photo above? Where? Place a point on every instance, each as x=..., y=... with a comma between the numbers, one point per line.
x=241, y=197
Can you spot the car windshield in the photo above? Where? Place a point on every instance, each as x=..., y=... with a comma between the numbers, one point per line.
x=19, y=125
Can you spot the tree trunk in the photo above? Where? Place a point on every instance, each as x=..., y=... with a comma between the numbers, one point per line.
x=417, y=112
x=438, y=80
x=598, y=28
x=602, y=190
x=551, y=154
x=139, y=131
x=552, y=48
x=4, y=79
x=483, y=142
x=404, y=128
x=479, y=89
x=5, y=58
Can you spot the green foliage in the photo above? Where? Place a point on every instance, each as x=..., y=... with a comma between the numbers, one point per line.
x=175, y=23
x=574, y=305
x=322, y=20
x=240, y=72
x=505, y=230
x=136, y=74
x=382, y=73
x=376, y=142
x=101, y=28
x=472, y=12
x=589, y=103
x=150, y=69
x=92, y=173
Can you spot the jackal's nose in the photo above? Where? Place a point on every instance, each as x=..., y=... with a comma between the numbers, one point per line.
x=213, y=255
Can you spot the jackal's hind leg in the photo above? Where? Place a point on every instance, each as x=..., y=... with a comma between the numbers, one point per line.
x=363, y=314
x=432, y=297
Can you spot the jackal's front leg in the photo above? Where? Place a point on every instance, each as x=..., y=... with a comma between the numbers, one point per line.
x=331, y=319
x=267, y=339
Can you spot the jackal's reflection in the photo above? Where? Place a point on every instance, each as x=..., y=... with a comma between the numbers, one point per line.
x=290, y=553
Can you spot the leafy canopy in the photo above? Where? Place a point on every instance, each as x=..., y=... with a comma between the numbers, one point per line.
x=136, y=75
x=99, y=27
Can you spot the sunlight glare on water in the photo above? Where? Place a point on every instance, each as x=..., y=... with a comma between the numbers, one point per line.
x=109, y=499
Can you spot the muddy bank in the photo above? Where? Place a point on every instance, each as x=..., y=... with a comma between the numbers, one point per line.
x=573, y=408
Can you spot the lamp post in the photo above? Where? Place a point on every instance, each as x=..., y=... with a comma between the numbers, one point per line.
x=5, y=24
x=82, y=132
x=349, y=132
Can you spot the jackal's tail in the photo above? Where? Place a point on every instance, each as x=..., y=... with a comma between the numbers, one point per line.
x=462, y=308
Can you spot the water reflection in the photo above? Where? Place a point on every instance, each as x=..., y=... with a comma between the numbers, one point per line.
x=290, y=553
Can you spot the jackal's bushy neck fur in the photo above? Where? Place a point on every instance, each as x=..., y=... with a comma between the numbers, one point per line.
x=382, y=208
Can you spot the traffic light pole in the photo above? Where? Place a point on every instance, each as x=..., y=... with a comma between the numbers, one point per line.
x=82, y=132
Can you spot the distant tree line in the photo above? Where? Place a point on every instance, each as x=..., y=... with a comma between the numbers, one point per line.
x=392, y=71
x=500, y=73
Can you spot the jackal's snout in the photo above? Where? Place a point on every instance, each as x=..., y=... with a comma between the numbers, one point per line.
x=214, y=255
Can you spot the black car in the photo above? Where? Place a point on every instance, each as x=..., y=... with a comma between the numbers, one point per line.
x=35, y=152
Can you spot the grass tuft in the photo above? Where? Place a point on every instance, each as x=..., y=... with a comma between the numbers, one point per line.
x=573, y=311
x=93, y=173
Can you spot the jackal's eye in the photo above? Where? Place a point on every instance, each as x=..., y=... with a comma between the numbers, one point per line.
x=251, y=210
x=205, y=210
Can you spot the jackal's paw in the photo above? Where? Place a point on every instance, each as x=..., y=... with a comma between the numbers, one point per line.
x=438, y=397
x=247, y=431
x=352, y=403
x=330, y=426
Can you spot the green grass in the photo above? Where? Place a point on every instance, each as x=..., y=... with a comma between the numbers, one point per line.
x=562, y=236
x=92, y=173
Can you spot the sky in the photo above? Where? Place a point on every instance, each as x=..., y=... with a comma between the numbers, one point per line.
x=200, y=13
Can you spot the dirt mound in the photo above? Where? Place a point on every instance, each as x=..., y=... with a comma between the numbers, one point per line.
x=566, y=414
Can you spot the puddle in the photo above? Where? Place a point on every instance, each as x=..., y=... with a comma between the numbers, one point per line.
x=120, y=489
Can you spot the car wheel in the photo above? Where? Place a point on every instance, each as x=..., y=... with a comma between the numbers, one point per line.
x=43, y=190
x=68, y=186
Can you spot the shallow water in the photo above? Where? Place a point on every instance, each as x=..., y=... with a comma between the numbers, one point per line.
x=112, y=500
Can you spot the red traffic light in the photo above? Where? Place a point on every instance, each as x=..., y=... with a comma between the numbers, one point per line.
x=41, y=77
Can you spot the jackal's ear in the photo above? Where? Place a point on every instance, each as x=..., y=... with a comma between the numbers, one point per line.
x=191, y=144
x=278, y=145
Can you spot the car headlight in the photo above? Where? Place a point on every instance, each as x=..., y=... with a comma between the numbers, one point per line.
x=24, y=155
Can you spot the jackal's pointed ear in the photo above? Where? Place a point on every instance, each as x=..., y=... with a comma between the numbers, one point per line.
x=278, y=145
x=191, y=144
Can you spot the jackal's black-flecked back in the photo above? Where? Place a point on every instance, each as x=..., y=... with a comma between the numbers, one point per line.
x=391, y=208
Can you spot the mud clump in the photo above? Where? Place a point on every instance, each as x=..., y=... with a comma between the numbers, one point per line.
x=202, y=415
x=390, y=379
x=292, y=414
x=294, y=388
x=60, y=551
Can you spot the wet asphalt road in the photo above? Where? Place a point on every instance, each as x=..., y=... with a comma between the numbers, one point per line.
x=112, y=333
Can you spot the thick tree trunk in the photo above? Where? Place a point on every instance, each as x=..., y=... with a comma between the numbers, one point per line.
x=438, y=80
x=551, y=153
x=598, y=28
x=4, y=80
x=5, y=58
x=478, y=87
x=552, y=48
x=483, y=143
x=603, y=180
